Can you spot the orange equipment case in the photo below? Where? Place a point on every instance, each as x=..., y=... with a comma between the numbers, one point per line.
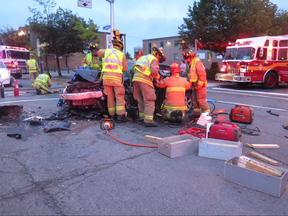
x=242, y=114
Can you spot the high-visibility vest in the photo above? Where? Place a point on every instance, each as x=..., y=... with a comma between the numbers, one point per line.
x=42, y=81
x=112, y=61
x=89, y=62
x=145, y=62
x=143, y=72
x=32, y=67
x=193, y=72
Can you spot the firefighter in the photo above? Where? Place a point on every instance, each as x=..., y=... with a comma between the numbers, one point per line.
x=92, y=59
x=198, y=83
x=42, y=83
x=174, y=105
x=113, y=66
x=32, y=68
x=146, y=70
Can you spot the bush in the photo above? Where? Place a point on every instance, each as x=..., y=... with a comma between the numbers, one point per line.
x=212, y=71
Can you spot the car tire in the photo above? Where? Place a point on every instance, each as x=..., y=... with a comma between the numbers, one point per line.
x=188, y=99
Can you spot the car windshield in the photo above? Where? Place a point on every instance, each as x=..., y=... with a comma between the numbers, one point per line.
x=17, y=54
x=243, y=53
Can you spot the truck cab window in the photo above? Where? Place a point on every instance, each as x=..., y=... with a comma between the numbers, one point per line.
x=261, y=54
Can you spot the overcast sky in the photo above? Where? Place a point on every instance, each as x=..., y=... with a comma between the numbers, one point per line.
x=138, y=19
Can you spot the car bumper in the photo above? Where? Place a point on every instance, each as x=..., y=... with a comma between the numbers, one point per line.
x=232, y=78
x=5, y=80
x=81, y=96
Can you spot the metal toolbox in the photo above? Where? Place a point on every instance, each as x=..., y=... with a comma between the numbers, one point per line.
x=219, y=149
x=176, y=146
x=265, y=183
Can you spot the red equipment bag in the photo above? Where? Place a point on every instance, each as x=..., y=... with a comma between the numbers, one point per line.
x=194, y=131
x=242, y=114
x=225, y=131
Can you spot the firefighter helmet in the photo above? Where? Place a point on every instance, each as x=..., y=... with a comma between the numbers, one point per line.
x=159, y=54
x=138, y=54
x=94, y=46
x=118, y=43
x=49, y=74
x=175, y=68
x=188, y=53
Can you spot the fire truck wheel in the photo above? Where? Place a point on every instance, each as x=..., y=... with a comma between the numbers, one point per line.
x=270, y=81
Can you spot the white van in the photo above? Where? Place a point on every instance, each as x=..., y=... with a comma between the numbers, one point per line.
x=15, y=59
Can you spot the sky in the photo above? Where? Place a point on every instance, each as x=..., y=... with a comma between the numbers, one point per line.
x=138, y=19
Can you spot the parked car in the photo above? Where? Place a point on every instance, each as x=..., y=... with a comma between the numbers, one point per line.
x=5, y=76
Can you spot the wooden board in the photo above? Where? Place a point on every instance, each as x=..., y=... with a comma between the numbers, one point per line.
x=258, y=166
x=264, y=158
x=263, y=145
x=151, y=139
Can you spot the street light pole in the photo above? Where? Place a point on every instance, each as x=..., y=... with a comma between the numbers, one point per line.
x=111, y=21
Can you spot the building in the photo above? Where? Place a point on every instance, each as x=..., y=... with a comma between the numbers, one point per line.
x=173, y=52
x=74, y=60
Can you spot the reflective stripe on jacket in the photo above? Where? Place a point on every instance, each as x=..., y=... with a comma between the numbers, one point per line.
x=143, y=71
x=89, y=62
x=175, y=92
x=197, y=72
x=42, y=81
x=32, y=65
x=112, y=66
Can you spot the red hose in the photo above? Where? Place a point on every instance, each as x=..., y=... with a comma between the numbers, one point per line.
x=147, y=146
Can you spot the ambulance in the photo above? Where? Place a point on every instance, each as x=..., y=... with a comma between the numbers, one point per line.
x=14, y=59
x=256, y=60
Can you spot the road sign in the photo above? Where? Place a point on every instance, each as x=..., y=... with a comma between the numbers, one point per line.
x=85, y=3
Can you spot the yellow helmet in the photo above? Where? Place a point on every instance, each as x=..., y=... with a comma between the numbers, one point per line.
x=118, y=43
x=159, y=54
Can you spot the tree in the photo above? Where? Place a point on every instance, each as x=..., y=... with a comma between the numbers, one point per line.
x=128, y=56
x=214, y=23
x=88, y=33
x=10, y=37
x=60, y=32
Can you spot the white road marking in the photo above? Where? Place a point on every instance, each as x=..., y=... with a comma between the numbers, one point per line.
x=19, y=101
x=252, y=95
x=261, y=107
x=251, y=91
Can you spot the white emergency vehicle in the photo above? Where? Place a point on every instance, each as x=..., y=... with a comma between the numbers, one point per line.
x=256, y=60
x=15, y=59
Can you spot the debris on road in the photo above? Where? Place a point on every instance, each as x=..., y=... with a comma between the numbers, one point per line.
x=11, y=112
x=57, y=127
x=16, y=135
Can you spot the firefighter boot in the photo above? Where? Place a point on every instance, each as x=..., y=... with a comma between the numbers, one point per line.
x=153, y=124
x=179, y=116
x=173, y=116
x=122, y=118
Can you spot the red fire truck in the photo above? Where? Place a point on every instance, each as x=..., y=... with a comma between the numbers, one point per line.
x=15, y=59
x=256, y=60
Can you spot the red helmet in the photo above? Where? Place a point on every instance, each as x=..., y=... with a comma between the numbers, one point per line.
x=138, y=54
x=188, y=53
x=175, y=68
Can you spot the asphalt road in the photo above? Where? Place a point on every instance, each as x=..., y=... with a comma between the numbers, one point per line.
x=85, y=172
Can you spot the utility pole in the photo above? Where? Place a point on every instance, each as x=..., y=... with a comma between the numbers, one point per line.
x=111, y=21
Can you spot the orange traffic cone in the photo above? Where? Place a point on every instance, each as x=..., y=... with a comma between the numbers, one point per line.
x=16, y=89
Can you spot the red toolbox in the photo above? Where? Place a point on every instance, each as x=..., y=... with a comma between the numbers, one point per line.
x=225, y=131
x=194, y=131
x=242, y=114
